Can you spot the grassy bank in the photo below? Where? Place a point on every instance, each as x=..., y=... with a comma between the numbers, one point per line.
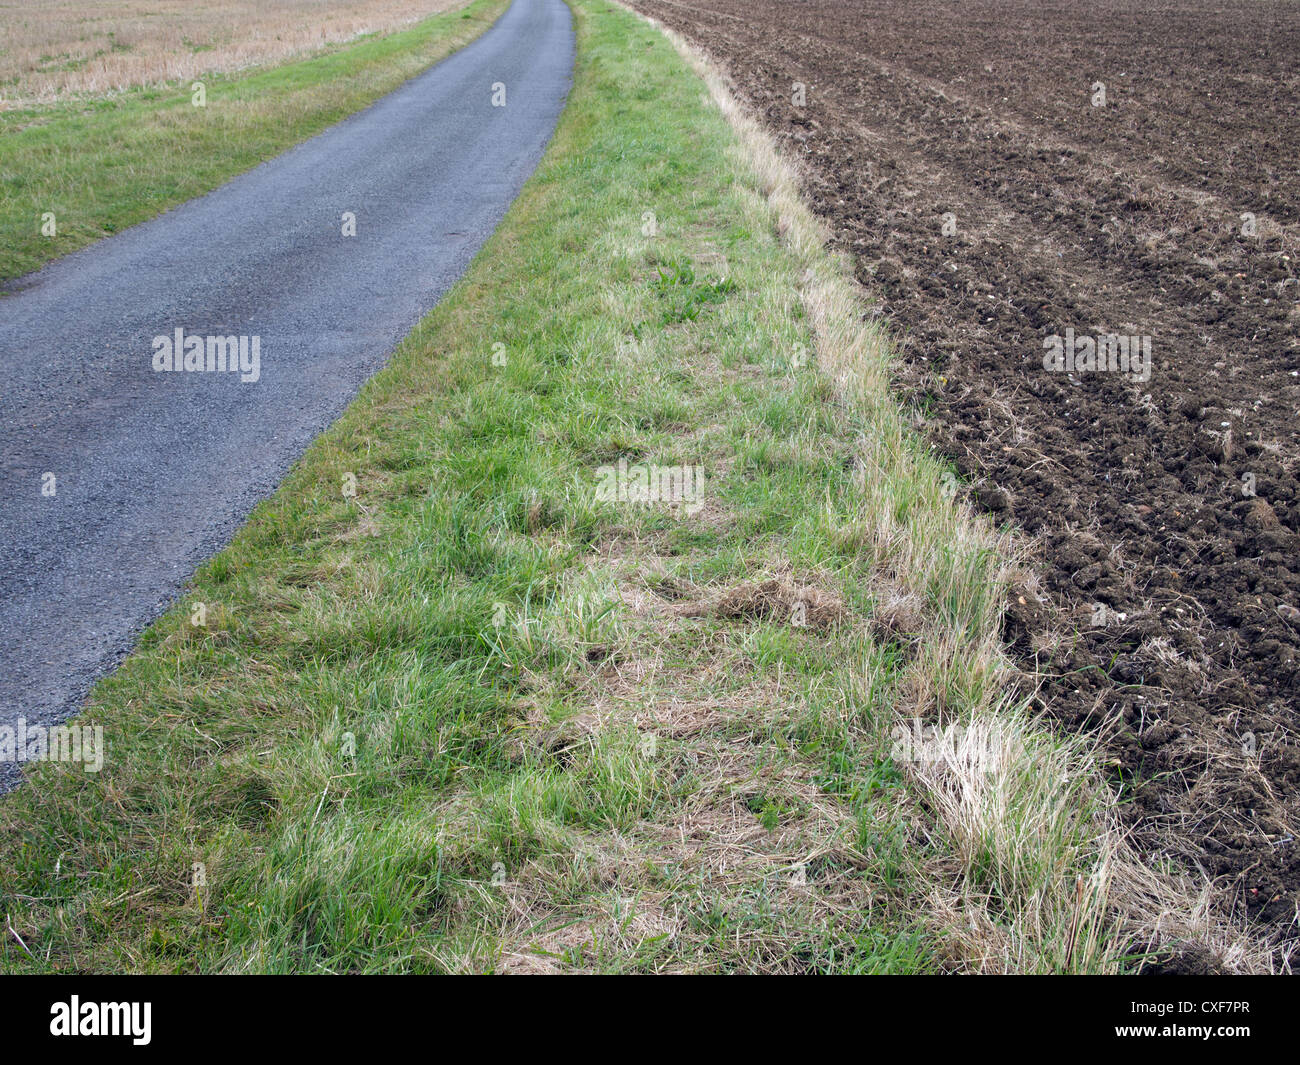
x=466, y=697
x=100, y=165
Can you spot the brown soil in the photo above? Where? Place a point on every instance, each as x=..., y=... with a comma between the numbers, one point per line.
x=1173, y=593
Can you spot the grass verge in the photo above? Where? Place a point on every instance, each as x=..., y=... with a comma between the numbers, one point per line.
x=489, y=685
x=76, y=171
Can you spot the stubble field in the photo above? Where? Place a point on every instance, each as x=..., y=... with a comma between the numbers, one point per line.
x=92, y=47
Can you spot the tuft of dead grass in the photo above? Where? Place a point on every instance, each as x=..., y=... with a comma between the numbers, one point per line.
x=777, y=599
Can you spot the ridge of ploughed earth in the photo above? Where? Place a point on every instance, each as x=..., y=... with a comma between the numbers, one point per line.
x=958, y=152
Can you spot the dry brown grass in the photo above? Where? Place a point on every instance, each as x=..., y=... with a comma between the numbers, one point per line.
x=52, y=48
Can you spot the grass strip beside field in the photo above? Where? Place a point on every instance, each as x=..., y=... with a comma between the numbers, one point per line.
x=100, y=165
x=460, y=701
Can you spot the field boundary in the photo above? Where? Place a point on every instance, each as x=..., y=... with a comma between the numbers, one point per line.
x=998, y=212
x=1115, y=911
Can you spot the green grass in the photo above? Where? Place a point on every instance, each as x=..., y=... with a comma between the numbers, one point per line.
x=474, y=717
x=100, y=165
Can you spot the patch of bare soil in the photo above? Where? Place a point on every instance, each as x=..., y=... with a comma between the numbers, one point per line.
x=991, y=200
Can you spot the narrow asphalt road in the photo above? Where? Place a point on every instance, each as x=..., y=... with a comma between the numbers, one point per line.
x=153, y=470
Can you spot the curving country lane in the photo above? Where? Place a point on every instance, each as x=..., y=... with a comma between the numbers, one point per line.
x=154, y=470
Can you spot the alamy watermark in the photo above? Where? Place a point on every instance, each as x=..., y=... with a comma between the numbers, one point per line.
x=209, y=354
x=980, y=747
x=77, y=1018
x=649, y=485
x=21, y=742
x=1107, y=353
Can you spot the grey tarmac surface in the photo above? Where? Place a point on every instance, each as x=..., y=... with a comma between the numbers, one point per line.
x=154, y=471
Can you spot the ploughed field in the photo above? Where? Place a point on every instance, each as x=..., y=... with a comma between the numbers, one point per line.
x=1004, y=173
